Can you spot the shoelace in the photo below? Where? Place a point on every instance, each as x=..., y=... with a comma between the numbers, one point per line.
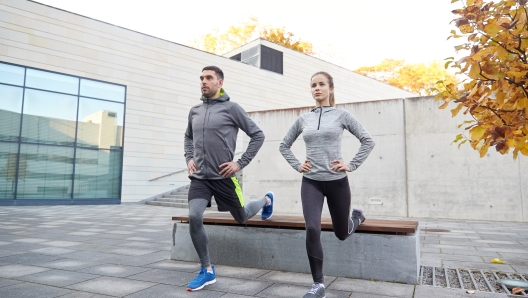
x=315, y=288
x=201, y=274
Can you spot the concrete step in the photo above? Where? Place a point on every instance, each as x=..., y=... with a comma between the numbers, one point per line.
x=166, y=204
x=175, y=204
x=177, y=196
x=177, y=201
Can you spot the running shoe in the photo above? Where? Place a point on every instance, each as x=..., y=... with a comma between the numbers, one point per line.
x=267, y=211
x=317, y=291
x=203, y=279
x=358, y=213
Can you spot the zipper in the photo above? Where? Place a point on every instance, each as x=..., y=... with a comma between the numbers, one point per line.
x=203, y=138
x=321, y=114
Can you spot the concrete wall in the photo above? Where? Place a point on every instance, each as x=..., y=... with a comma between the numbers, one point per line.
x=162, y=82
x=413, y=169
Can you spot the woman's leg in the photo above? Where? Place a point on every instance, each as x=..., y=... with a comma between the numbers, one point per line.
x=312, y=202
x=338, y=198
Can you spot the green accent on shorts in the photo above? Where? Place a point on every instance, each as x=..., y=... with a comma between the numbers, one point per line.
x=238, y=190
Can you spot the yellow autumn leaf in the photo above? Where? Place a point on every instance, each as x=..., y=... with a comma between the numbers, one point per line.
x=497, y=261
x=476, y=133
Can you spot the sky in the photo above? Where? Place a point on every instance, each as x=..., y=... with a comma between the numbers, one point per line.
x=349, y=33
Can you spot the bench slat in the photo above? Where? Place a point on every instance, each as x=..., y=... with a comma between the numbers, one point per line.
x=293, y=221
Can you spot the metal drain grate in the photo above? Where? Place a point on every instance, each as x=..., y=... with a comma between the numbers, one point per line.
x=469, y=279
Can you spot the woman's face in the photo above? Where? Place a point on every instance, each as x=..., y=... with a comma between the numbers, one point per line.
x=321, y=90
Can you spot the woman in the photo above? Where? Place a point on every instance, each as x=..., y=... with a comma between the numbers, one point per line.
x=324, y=172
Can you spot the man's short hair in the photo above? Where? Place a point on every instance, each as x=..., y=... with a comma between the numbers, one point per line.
x=217, y=70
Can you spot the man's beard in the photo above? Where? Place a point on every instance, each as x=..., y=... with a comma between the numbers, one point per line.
x=210, y=94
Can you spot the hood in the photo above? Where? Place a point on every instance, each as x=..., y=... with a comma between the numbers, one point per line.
x=223, y=97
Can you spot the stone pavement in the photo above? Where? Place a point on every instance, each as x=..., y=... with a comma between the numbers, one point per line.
x=123, y=251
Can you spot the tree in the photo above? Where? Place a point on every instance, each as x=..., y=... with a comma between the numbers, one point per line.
x=238, y=35
x=495, y=94
x=419, y=78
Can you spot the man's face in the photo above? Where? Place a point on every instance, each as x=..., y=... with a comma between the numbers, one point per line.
x=210, y=84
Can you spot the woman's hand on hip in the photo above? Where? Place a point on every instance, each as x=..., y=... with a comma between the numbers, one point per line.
x=339, y=166
x=306, y=167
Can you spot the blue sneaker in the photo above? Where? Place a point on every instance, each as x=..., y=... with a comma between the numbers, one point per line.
x=267, y=211
x=203, y=279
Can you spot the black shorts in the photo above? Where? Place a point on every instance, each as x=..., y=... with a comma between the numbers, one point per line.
x=227, y=192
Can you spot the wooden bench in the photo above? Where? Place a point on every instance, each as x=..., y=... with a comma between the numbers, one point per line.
x=387, y=250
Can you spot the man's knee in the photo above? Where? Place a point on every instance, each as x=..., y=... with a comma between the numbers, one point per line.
x=240, y=220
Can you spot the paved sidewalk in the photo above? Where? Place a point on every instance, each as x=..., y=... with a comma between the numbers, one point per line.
x=123, y=251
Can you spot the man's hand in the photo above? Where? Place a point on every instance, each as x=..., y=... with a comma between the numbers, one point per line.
x=306, y=167
x=339, y=166
x=228, y=168
x=191, y=167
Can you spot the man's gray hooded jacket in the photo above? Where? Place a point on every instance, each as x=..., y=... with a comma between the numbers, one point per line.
x=210, y=138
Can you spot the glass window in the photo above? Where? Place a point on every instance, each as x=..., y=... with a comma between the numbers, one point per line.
x=102, y=90
x=52, y=81
x=45, y=172
x=11, y=74
x=97, y=174
x=49, y=118
x=100, y=124
x=10, y=108
x=8, y=161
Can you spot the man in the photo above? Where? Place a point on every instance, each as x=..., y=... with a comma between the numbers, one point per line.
x=210, y=141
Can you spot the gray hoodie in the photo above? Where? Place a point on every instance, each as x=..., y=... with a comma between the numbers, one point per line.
x=322, y=131
x=210, y=138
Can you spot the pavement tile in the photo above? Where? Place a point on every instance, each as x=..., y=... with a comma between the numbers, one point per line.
x=60, y=243
x=284, y=290
x=95, y=256
x=169, y=277
x=238, y=285
x=6, y=253
x=431, y=262
x=519, y=268
x=369, y=295
x=367, y=286
x=21, y=246
x=52, y=250
x=139, y=261
x=29, y=290
x=114, y=270
x=504, y=249
x=451, y=257
x=467, y=252
x=442, y=246
x=7, y=282
x=105, y=241
x=482, y=266
x=303, y=279
x=28, y=258
x=78, y=294
x=112, y=286
x=57, y=278
x=68, y=264
x=239, y=272
x=17, y=270
x=174, y=292
x=82, y=233
x=31, y=240
x=436, y=292
x=176, y=265
x=132, y=251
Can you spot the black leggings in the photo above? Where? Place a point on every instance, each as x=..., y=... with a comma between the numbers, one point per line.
x=337, y=193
